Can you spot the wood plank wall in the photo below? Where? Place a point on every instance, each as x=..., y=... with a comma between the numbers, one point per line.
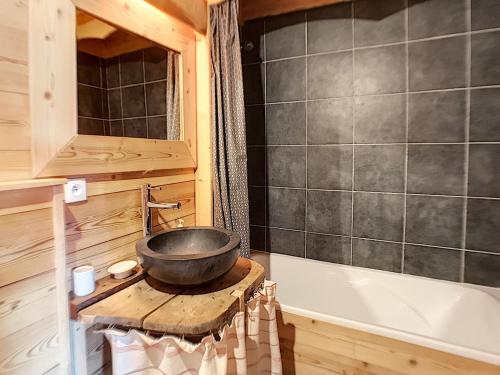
x=15, y=154
x=310, y=346
x=28, y=295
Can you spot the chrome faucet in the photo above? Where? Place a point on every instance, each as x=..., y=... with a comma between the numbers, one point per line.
x=148, y=205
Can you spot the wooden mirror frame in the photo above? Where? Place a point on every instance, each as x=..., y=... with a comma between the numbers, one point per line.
x=58, y=149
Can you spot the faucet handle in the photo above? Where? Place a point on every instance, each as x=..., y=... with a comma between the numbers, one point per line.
x=153, y=187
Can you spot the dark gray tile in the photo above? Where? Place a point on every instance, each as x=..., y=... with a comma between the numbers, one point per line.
x=286, y=166
x=482, y=269
x=286, y=124
x=436, y=169
x=104, y=75
x=116, y=128
x=286, y=242
x=485, y=59
x=105, y=106
x=253, y=83
x=428, y=18
x=483, y=221
x=285, y=36
x=379, y=22
x=133, y=101
x=379, y=255
x=485, y=115
x=115, y=103
x=329, y=121
x=334, y=249
x=286, y=208
x=257, y=238
x=90, y=126
x=378, y=216
x=157, y=127
x=329, y=212
x=432, y=220
x=329, y=75
x=155, y=64
x=437, y=64
x=432, y=262
x=136, y=128
x=156, y=98
x=485, y=14
x=131, y=68
x=380, y=119
x=255, y=122
x=286, y=80
x=436, y=117
x=484, y=170
x=380, y=70
x=88, y=69
x=112, y=72
x=256, y=163
x=329, y=28
x=107, y=127
x=252, y=41
x=257, y=205
x=329, y=167
x=89, y=102
x=379, y=168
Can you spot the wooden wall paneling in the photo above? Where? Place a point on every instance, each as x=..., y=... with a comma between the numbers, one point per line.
x=188, y=97
x=32, y=349
x=204, y=198
x=193, y=12
x=251, y=9
x=25, y=249
x=60, y=279
x=52, y=70
x=311, y=346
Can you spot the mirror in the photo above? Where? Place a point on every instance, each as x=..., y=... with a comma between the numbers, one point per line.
x=127, y=86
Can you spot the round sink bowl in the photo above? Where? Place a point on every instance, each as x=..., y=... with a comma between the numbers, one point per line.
x=188, y=256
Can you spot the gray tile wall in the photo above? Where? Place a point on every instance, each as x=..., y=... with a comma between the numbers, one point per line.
x=373, y=133
x=124, y=95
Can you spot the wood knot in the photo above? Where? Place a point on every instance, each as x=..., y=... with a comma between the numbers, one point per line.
x=127, y=7
x=47, y=95
x=412, y=361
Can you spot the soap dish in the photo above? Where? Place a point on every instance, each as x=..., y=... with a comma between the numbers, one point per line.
x=122, y=270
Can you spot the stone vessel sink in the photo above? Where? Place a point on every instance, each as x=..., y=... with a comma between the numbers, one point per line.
x=188, y=256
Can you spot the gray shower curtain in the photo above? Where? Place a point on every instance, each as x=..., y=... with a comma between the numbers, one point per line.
x=173, y=98
x=228, y=124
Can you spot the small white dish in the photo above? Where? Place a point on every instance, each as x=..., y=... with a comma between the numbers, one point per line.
x=124, y=269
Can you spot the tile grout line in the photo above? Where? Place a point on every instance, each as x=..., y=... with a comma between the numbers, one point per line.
x=144, y=87
x=363, y=144
x=468, y=63
x=407, y=83
x=406, y=41
x=353, y=133
x=377, y=95
x=306, y=140
x=265, y=138
x=121, y=96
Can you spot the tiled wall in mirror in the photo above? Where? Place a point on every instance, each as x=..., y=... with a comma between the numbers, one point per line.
x=127, y=85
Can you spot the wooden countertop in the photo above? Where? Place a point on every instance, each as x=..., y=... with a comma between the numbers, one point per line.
x=146, y=304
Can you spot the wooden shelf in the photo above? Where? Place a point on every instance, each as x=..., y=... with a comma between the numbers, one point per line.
x=29, y=184
x=149, y=305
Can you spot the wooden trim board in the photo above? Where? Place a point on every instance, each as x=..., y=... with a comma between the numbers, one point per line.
x=57, y=149
x=309, y=346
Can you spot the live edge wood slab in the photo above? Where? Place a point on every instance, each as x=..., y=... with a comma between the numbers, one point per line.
x=143, y=303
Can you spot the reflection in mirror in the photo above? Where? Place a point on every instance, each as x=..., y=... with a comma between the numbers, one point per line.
x=127, y=85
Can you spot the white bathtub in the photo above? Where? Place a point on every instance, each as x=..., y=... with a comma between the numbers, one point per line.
x=461, y=319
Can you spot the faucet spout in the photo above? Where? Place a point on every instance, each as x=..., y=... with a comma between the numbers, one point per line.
x=164, y=205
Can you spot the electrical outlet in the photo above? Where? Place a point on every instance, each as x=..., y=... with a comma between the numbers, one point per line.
x=75, y=191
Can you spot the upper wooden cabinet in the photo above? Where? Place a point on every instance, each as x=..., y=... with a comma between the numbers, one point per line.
x=57, y=148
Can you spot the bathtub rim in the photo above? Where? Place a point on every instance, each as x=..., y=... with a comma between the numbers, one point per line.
x=393, y=333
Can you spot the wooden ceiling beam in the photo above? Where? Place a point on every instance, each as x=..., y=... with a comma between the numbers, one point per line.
x=191, y=12
x=252, y=9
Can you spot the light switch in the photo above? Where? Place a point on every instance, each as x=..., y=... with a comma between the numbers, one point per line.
x=75, y=191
